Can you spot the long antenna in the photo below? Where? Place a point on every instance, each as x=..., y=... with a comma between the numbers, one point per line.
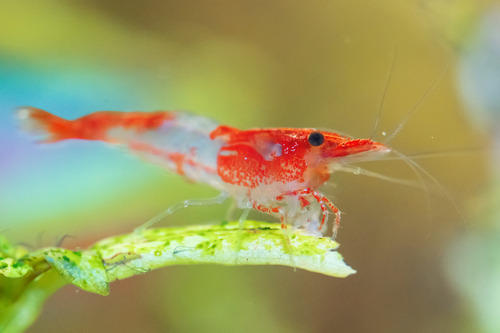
x=408, y=115
x=438, y=153
x=382, y=101
x=434, y=180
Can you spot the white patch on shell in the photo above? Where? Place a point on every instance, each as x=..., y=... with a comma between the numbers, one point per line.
x=274, y=151
x=228, y=153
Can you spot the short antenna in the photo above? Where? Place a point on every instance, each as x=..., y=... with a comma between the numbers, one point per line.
x=409, y=114
x=382, y=101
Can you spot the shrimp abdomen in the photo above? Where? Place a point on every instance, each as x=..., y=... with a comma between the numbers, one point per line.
x=94, y=126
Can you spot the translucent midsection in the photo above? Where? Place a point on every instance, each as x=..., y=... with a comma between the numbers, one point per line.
x=180, y=145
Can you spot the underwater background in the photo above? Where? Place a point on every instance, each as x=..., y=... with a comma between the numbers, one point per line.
x=324, y=64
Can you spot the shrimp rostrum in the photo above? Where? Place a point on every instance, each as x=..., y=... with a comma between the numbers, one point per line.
x=275, y=170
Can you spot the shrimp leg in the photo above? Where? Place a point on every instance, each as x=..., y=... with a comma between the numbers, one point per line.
x=241, y=221
x=193, y=202
x=287, y=242
x=230, y=211
x=284, y=226
x=323, y=201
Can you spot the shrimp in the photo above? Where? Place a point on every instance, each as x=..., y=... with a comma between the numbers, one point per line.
x=272, y=170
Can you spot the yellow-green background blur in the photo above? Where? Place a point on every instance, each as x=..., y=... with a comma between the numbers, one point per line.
x=309, y=63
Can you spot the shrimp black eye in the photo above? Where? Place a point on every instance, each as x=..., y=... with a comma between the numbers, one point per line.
x=316, y=139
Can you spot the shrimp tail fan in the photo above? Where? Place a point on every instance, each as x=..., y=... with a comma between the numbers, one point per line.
x=39, y=122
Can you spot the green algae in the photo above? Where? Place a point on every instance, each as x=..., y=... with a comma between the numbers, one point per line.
x=260, y=243
x=14, y=269
x=85, y=271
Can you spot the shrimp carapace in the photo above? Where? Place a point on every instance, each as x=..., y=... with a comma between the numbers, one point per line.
x=274, y=170
x=258, y=157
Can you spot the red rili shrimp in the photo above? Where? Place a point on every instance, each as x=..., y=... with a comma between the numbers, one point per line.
x=274, y=170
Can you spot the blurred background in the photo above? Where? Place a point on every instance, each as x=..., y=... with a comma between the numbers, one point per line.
x=319, y=63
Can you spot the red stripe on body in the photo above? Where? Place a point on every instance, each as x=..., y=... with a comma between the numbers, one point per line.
x=95, y=126
x=178, y=158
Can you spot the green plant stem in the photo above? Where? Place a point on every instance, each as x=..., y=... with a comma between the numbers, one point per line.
x=30, y=277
